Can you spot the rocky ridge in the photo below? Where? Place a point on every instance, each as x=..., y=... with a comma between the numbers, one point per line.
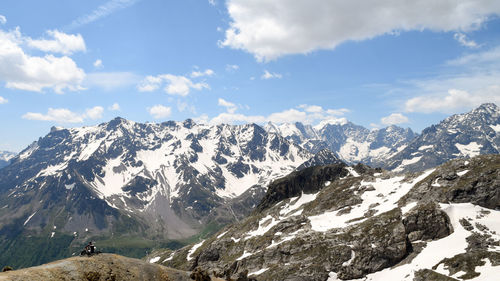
x=364, y=224
x=100, y=267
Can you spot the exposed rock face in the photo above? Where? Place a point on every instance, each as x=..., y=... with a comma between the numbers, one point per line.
x=100, y=267
x=366, y=223
x=308, y=180
x=427, y=222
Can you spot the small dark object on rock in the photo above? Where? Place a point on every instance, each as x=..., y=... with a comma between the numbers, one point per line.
x=7, y=268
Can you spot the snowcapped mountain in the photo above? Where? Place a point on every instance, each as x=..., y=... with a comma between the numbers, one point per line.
x=352, y=143
x=338, y=222
x=167, y=180
x=5, y=157
x=458, y=136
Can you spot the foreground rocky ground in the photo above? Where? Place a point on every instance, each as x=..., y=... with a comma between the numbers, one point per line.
x=356, y=223
x=101, y=267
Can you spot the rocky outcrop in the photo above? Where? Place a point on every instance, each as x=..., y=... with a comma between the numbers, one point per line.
x=427, y=222
x=475, y=180
x=96, y=268
x=308, y=180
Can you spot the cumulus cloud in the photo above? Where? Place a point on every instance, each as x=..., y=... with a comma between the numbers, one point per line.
x=453, y=100
x=63, y=115
x=464, y=41
x=60, y=42
x=207, y=72
x=3, y=100
x=3, y=19
x=230, y=107
x=95, y=112
x=299, y=114
x=268, y=75
x=270, y=29
x=102, y=11
x=174, y=84
x=114, y=107
x=159, y=111
x=34, y=73
x=98, y=63
x=394, y=119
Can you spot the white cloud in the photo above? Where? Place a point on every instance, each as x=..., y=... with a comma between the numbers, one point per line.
x=150, y=83
x=3, y=19
x=95, y=112
x=63, y=115
x=287, y=116
x=491, y=56
x=230, y=107
x=98, y=63
x=270, y=29
x=114, y=107
x=212, y=2
x=232, y=67
x=394, y=119
x=196, y=74
x=111, y=80
x=311, y=108
x=454, y=100
x=3, y=100
x=464, y=41
x=268, y=75
x=159, y=111
x=102, y=11
x=33, y=73
x=174, y=85
x=61, y=42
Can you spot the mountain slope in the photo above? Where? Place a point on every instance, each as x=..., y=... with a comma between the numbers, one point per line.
x=440, y=224
x=462, y=135
x=150, y=181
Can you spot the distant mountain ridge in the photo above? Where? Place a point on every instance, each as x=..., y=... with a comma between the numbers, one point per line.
x=5, y=157
x=461, y=135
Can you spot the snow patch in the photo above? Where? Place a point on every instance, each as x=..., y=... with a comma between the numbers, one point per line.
x=258, y=272
x=472, y=149
x=29, y=218
x=193, y=249
x=155, y=259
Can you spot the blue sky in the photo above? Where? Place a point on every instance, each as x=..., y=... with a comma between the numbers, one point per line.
x=78, y=63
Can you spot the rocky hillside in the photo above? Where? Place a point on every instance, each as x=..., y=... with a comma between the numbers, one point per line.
x=100, y=267
x=462, y=135
x=357, y=223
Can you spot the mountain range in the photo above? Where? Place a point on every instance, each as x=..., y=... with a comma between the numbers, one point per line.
x=141, y=185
